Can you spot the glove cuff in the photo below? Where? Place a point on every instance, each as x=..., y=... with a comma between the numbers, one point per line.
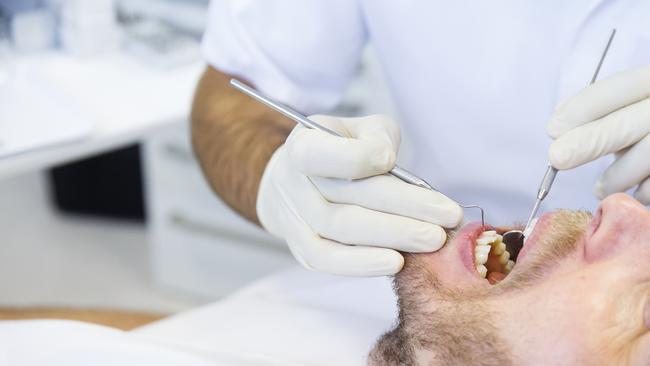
x=266, y=203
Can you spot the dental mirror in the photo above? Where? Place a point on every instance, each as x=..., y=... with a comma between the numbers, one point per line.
x=514, y=241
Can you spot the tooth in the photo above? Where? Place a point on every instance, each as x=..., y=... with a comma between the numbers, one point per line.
x=481, y=253
x=503, y=258
x=509, y=266
x=487, y=237
x=484, y=249
x=498, y=249
x=482, y=270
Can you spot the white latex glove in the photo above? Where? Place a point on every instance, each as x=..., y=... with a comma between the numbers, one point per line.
x=329, y=198
x=610, y=116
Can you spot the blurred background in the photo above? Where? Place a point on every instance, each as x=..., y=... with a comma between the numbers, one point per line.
x=102, y=204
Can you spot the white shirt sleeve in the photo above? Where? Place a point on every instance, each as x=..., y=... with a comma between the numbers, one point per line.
x=302, y=53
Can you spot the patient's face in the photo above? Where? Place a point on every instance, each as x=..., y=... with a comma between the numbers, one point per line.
x=579, y=294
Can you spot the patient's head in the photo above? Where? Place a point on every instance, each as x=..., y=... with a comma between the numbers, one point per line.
x=579, y=294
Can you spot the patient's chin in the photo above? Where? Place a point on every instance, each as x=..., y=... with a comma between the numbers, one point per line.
x=439, y=338
x=438, y=324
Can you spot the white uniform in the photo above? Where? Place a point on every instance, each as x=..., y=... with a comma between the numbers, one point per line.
x=474, y=82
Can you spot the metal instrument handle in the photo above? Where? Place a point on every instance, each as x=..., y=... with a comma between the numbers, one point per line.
x=289, y=112
x=551, y=172
x=398, y=172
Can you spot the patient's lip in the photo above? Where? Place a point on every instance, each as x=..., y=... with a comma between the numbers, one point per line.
x=465, y=239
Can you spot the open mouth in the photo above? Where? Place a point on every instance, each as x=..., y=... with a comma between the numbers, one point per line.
x=492, y=260
x=491, y=257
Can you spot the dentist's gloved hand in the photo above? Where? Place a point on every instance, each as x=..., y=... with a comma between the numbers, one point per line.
x=610, y=116
x=329, y=198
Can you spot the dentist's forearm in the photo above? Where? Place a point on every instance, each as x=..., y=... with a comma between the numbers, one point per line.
x=234, y=137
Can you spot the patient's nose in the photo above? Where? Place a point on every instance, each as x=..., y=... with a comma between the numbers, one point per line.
x=619, y=223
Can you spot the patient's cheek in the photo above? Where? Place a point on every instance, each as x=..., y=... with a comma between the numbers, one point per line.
x=646, y=315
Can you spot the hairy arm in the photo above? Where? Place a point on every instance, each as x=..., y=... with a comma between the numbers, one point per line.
x=234, y=137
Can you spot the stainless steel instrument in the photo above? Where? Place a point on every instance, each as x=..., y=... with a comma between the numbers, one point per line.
x=514, y=238
x=398, y=172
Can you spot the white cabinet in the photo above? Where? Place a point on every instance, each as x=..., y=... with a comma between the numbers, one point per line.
x=198, y=244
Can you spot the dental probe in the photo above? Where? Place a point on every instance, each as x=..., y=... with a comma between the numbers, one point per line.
x=551, y=172
x=513, y=236
x=398, y=172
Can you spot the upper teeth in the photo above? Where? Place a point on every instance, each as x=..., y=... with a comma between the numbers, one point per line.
x=488, y=237
x=489, y=242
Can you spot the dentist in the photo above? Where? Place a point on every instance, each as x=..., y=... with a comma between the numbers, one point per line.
x=474, y=84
